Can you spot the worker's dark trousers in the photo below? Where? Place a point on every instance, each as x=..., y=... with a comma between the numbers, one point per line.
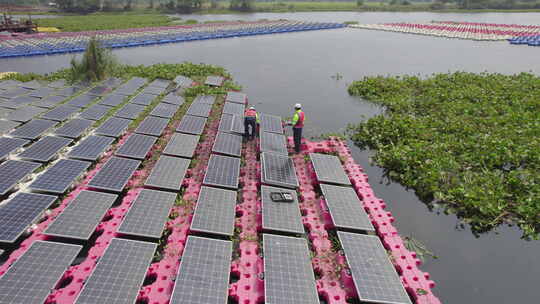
x=250, y=122
x=297, y=132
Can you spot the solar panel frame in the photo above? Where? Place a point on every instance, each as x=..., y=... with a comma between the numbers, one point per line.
x=233, y=108
x=215, y=211
x=113, y=127
x=130, y=111
x=215, y=81
x=81, y=217
x=122, y=269
x=45, y=149
x=228, y=143
x=328, y=169
x=33, y=129
x=203, y=275
x=192, y=125
x=91, y=148
x=46, y=262
x=25, y=113
x=153, y=126
x=115, y=174
x=20, y=212
x=143, y=99
x=148, y=214
x=278, y=170
x=95, y=112
x=60, y=113
x=374, y=276
x=271, y=123
x=14, y=171
x=199, y=109
x=9, y=145
x=74, y=128
x=222, y=171
x=58, y=178
x=164, y=110
x=182, y=145
x=346, y=209
x=112, y=100
x=273, y=142
x=137, y=146
x=82, y=100
x=281, y=216
x=168, y=173
x=236, y=97
x=288, y=274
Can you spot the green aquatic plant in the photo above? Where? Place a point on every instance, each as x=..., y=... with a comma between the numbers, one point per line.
x=465, y=142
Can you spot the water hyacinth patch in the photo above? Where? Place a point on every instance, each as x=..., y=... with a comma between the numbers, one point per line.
x=468, y=142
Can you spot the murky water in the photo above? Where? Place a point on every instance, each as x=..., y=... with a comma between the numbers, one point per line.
x=280, y=70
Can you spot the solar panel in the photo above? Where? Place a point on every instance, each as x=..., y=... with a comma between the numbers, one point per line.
x=14, y=92
x=278, y=170
x=136, y=146
x=33, y=129
x=374, y=276
x=25, y=113
x=6, y=126
x=168, y=173
x=91, y=148
x=130, y=111
x=6, y=84
x=160, y=83
x=113, y=82
x=42, y=92
x=18, y=213
x=60, y=113
x=81, y=217
x=345, y=208
x=152, y=126
x=148, y=214
x=58, y=84
x=33, y=85
x=13, y=172
x=115, y=174
x=228, y=143
x=271, y=123
x=238, y=124
x=191, y=125
x=32, y=276
x=69, y=91
x=233, y=108
x=50, y=101
x=9, y=145
x=237, y=97
x=164, y=110
x=95, y=112
x=216, y=81
x=153, y=91
x=113, y=127
x=204, y=272
x=112, y=100
x=222, y=171
x=81, y=101
x=58, y=178
x=19, y=102
x=119, y=273
x=225, y=123
x=273, y=142
x=199, y=109
x=143, y=99
x=280, y=216
x=182, y=145
x=215, y=211
x=126, y=89
x=101, y=90
x=172, y=98
x=183, y=82
x=328, y=169
x=206, y=99
x=4, y=112
x=288, y=275
x=74, y=128
x=45, y=149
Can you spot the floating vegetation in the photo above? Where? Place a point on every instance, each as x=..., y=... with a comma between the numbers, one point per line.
x=466, y=142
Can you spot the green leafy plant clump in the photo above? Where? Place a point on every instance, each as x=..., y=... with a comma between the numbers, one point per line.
x=467, y=142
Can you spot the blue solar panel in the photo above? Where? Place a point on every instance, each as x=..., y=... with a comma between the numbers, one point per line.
x=45, y=149
x=33, y=129
x=91, y=148
x=114, y=175
x=59, y=177
x=13, y=172
x=9, y=145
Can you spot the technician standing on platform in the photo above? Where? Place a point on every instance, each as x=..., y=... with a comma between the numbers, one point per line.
x=250, y=120
x=297, y=125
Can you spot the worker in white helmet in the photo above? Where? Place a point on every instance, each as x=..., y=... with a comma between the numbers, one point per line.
x=250, y=123
x=297, y=125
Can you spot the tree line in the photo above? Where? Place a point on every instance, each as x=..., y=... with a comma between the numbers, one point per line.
x=182, y=6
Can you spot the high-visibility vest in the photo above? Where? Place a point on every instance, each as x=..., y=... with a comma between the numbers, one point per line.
x=250, y=113
x=298, y=119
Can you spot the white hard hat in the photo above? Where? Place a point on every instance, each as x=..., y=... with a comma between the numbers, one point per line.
x=252, y=108
x=297, y=106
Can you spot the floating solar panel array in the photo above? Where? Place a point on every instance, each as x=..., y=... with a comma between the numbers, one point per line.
x=374, y=276
x=215, y=211
x=55, y=43
x=280, y=216
x=328, y=169
x=32, y=277
x=278, y=170
x=203, y=276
